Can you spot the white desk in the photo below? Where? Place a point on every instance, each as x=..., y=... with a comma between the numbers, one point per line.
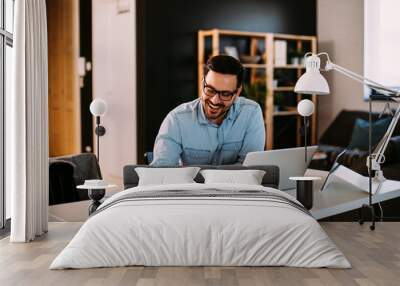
x=340, y=196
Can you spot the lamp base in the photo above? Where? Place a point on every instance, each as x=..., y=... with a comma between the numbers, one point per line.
x=361, y=215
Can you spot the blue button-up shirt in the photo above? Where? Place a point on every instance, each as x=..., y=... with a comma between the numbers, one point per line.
x=187, y=137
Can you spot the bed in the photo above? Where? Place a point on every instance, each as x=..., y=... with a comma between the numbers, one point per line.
x=198, y=224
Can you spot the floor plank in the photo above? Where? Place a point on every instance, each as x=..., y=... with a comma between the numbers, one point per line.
x=374, y=255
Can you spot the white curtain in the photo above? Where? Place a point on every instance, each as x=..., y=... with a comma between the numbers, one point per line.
x=27, y=123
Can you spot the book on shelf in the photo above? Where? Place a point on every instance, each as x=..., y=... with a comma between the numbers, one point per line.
x=280, y=50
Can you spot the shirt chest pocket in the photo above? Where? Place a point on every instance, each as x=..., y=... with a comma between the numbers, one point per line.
x=193, y=156
x=230, y=152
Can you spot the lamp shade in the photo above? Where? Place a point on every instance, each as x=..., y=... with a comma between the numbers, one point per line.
x=305, y=107
x=98, y=107
x=312, y=82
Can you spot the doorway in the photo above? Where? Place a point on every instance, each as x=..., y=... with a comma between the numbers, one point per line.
x=70, y=76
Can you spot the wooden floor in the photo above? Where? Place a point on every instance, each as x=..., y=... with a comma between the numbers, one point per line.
x=375, y=257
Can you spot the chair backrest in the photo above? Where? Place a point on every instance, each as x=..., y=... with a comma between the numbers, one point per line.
x=61, y=183
x=86, y=166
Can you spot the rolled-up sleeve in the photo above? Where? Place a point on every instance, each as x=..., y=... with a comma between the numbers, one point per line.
x=254, y=139
x=168, y=144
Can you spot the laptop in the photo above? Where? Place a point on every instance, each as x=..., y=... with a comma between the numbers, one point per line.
x=291, y=163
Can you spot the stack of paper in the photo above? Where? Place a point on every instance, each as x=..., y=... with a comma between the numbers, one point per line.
x=362, y=182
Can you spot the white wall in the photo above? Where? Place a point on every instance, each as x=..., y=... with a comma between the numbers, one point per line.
x=340, y=33
x=114, y=80
x=363, y=37
x=382, y=41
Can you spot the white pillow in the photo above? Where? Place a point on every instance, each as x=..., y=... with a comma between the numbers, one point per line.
x=249, y=177
x=164, y=176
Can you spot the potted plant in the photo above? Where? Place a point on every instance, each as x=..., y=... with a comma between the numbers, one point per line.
x=256, y=92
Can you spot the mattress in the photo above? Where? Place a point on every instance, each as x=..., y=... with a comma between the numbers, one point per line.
x=201, y=225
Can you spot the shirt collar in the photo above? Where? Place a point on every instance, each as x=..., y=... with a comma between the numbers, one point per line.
x=232, y=112
x=200, y=114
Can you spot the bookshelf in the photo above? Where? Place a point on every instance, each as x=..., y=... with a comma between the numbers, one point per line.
x=269, y=81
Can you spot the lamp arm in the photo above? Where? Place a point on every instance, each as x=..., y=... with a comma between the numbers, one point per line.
x=378, y=156
x=369, y=82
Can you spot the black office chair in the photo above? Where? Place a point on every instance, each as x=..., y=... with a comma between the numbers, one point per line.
x=63, y=181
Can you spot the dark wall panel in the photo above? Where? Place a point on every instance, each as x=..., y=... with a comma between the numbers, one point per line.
x=85, y=49
x=167, y=46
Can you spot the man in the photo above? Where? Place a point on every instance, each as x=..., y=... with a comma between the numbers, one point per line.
x=218, y=128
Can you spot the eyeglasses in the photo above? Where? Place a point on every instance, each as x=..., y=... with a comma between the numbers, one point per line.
x=223, y=95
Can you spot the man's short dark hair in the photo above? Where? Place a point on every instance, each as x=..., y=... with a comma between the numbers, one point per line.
x=226, y=65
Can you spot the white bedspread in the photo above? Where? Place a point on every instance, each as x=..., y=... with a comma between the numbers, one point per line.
x=200, y=231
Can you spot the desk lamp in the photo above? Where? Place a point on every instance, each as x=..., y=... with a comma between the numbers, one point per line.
x=312, y=82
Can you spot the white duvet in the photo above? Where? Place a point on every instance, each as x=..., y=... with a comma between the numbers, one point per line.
x=200, y=231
